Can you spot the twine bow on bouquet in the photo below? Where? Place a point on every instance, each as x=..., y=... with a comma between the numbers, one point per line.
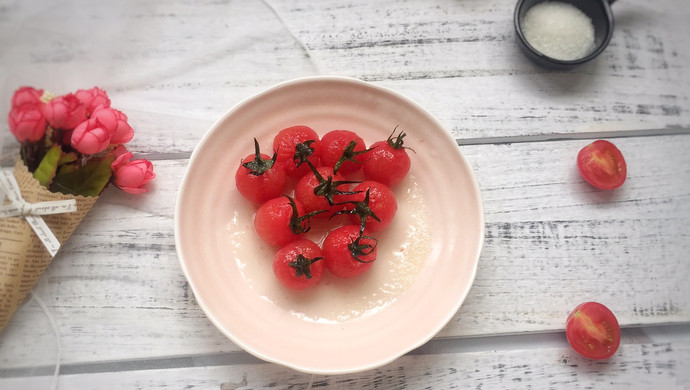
x=72, y=147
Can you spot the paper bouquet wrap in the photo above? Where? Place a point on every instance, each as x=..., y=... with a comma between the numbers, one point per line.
x=24, y=255
x=72, y=147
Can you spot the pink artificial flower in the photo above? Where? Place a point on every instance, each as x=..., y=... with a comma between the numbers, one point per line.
x=120, y=150
x=92, y=98
x=27, y=122
x=116, y=122
x=122, y=156
x=24, y=95
x=90, y=137
x=131, y=176
x=64, y=112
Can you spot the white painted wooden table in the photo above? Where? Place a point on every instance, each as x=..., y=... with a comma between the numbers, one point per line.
x=124, y=313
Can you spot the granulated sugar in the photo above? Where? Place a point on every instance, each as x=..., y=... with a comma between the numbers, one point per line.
x=559, y=30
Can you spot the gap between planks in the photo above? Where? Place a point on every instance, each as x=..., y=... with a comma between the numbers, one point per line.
x=572, y=136
x=509, y=140
x=657, y=334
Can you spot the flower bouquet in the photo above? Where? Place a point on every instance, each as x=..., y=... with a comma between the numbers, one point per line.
x=72, y=147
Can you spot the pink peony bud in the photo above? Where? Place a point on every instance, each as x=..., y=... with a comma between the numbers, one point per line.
x=92, y=98
x=27, y=122
x=64, y=112
x=90, y=137
x=25, y=95
x=132, y=175
x=122, y=156
x=116, y=122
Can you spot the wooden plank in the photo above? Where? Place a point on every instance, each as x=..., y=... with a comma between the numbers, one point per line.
x=457, y=59
x=634, y=366
x=552, y=242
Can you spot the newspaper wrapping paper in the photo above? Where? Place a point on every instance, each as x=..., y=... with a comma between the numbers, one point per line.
x=23, y=256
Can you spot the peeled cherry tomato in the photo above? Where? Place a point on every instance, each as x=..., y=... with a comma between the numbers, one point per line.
x=297, y=265
x=292, y=144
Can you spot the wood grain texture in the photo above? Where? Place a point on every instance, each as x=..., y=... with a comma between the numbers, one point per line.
x=552, y=242
x=638, y=366
x=175, y=67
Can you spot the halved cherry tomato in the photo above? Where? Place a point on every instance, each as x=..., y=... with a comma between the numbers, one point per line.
x=602, y=165
x=593, y=331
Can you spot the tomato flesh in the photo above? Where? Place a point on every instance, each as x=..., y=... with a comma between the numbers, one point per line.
x=593, y=331
x=602, y=165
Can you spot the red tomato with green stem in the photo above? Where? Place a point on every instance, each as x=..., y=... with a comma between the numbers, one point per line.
x=322, y=190
x=298, y=265
x=281, y=220
x=593, y=331
x=602, y=165
x=259, y=178
x=342, y=150
x=373, y=206
x=294, y=146
x=347, y=253
x=388, y=162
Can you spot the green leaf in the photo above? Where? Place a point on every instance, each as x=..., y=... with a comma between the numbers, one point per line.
x=88, y=180
x=45, y=171
x=67, y=163
x=67, y=158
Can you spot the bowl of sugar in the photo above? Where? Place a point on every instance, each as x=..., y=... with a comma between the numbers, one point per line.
x=561, y=34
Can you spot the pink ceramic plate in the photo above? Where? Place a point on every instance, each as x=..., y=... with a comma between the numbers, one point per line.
x=426, y=262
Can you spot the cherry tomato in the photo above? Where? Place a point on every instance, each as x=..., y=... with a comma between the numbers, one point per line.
x=387, y=162
x=298, y=264
x=376, y=204
x=281, y=220
x=592, y=330
x=602, y=165
x=347, y=253
x=313, y=192
x=293, y=145
x=259, y=178
x=342, y=150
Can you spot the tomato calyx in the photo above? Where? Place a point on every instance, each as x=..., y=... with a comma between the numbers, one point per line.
x=358, y=249
x=302, y=151
x=329, y=188
x=360, y=209
x=259, y=165
x=396, y=142
x=349, y=154
x=296, y=224
x=301, y=265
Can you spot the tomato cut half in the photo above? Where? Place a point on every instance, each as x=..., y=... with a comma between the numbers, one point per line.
x=602, y=165
x=593, y=331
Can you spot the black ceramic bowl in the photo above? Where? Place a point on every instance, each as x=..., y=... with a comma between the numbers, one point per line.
x=602, y=18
